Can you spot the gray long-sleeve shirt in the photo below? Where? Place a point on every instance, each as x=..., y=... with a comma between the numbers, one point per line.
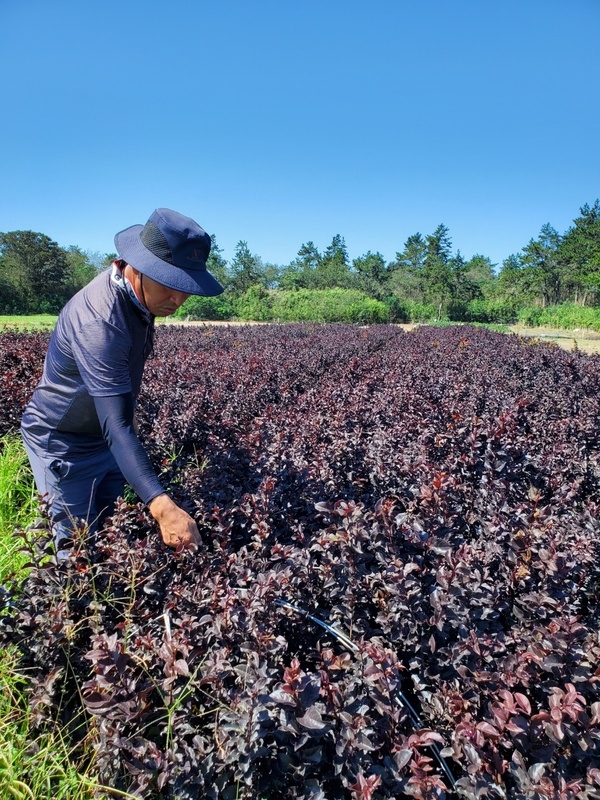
x=95, y=362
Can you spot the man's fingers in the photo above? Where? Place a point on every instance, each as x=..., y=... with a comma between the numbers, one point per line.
x=191, y=542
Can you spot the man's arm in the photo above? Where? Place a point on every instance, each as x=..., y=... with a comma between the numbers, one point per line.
x=115, y=413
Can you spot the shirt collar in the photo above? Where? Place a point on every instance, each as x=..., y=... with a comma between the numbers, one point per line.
x=124, y=285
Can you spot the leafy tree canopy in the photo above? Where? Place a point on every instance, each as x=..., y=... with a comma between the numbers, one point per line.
x=36, y=269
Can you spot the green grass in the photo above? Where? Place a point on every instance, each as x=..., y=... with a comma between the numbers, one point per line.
x=31, y=322
x=18, y=503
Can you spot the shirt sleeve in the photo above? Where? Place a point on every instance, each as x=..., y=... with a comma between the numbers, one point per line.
x=115, y=413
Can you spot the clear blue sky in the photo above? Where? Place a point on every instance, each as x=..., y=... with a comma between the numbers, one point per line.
x=278, y=122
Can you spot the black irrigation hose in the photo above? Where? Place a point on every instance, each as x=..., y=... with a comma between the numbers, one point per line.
x=349, y=644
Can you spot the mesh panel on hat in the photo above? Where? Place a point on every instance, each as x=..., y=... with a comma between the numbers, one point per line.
x=154, y=240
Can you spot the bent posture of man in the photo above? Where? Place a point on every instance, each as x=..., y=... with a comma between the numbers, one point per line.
x=78, y=429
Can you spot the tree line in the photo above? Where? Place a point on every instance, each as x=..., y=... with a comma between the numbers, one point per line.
x=37, y=276
x=427, y=279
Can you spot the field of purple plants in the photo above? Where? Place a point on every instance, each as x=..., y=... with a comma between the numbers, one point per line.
x=399, y=584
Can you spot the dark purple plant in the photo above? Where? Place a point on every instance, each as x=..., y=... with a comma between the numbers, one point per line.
x=433, y=496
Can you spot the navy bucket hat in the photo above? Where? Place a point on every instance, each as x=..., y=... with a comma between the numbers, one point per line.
x=172, y=250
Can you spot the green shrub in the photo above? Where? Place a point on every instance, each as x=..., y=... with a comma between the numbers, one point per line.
x=490, y=311
x=570, y=315
x=456, y=311
x=531, y=316
x=367, y=312
x=420, y=312
x=397, y=309
x=255, y=304
x=211, y=308
x=327, y=305
x=296, y=306
x=50, y=305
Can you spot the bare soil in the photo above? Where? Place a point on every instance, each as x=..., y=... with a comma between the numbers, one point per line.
x=578, y=339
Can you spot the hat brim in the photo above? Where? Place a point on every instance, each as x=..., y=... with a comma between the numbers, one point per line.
x=189, y=281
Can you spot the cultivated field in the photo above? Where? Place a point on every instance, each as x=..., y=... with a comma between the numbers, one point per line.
x=579, y=339
x=397, y=591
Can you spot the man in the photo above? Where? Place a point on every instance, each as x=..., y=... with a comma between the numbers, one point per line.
x=78, y=429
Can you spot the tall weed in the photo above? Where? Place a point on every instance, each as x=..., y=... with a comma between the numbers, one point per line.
x=18, y=502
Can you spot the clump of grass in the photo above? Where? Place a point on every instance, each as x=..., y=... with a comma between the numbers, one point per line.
x=18, y=503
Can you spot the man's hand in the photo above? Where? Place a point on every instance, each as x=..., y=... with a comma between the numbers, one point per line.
x=177, y=528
